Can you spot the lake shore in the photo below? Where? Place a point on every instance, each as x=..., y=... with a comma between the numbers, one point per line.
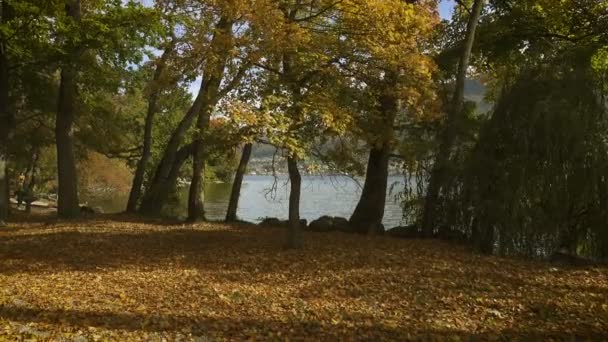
x=122, y=278
x=321, y=195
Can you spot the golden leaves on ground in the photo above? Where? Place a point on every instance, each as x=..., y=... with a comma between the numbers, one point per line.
x=109, y=280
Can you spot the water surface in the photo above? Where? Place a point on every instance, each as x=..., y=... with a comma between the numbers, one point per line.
x=263, y=196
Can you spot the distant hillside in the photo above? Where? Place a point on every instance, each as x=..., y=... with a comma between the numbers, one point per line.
x=261, y=151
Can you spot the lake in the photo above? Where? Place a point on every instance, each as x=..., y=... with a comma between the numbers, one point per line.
x=321, y=195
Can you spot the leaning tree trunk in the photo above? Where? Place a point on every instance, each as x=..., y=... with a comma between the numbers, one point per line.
x=156, y=190
x=180, y=158
x=213, y=75
x=7, y=122
x=140, y=170
x=448, y=138
x=294, y=231
x=67, y=190
x=196, y=208
x=238, y=181
x=370, y=210
x=164, y=189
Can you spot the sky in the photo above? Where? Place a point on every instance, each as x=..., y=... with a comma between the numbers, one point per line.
x=446, y=7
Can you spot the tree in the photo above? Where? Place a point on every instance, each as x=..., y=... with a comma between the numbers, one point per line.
x=238, y=181
x=22, y=36
x=391, y=83
x=304, y=29
x=369, y=211
x=532, y=181
x=152, y=109
x=211, y=39
x=450, y=131
x=88, y=46
x=67, y=191
x=210, y=89
x=7, y=120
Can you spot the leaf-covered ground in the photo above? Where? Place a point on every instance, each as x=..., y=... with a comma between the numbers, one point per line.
x=110, y=280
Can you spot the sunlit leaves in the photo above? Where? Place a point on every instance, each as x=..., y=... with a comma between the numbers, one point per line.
x=107, y=280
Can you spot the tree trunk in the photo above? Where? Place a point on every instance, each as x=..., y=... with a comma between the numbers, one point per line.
x=180, y=158
x=238, y=181
x=483, y=237
x=213, y=75
x=450, y=132
x=29, y=188
x=294, y=231
x=201, y=104
x=5, y=202
x=7, y=122
x=166, y=186
x=370, y=210
x=196, y=193
x=67, y=205
x=140, y=170
x=157, y=188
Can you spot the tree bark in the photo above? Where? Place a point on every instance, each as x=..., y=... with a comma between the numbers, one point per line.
x=140, y=170
x=237, y=183
x=212, y=80
x=370, y=210
x=67, y=205
x=196, y=201
x=155, y=191
x=483, y=237
x=164, y=188
x=7, y=121
x=294, y=231
x=180, y=158
x=4, y=188
x=450, y=132
x=29, y=188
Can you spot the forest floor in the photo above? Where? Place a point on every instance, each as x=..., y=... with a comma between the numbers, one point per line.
x=116, y=278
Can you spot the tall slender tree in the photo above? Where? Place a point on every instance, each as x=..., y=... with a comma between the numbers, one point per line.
x=454, y=117
x=154, y=90
x=212, y=78
x=7, y=119
x=221, y=71
x=67, y=185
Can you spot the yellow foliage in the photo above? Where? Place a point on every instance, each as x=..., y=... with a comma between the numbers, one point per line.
x=97, y=171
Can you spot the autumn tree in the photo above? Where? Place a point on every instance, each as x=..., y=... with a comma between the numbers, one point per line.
x=94, y=40
x=214, y=49
x=383, y=55
x=22, y=36
x=302, y=63
x=249, y=120
x=152, y=108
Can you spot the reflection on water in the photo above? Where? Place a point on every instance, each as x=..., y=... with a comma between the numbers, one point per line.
x=321, y=195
